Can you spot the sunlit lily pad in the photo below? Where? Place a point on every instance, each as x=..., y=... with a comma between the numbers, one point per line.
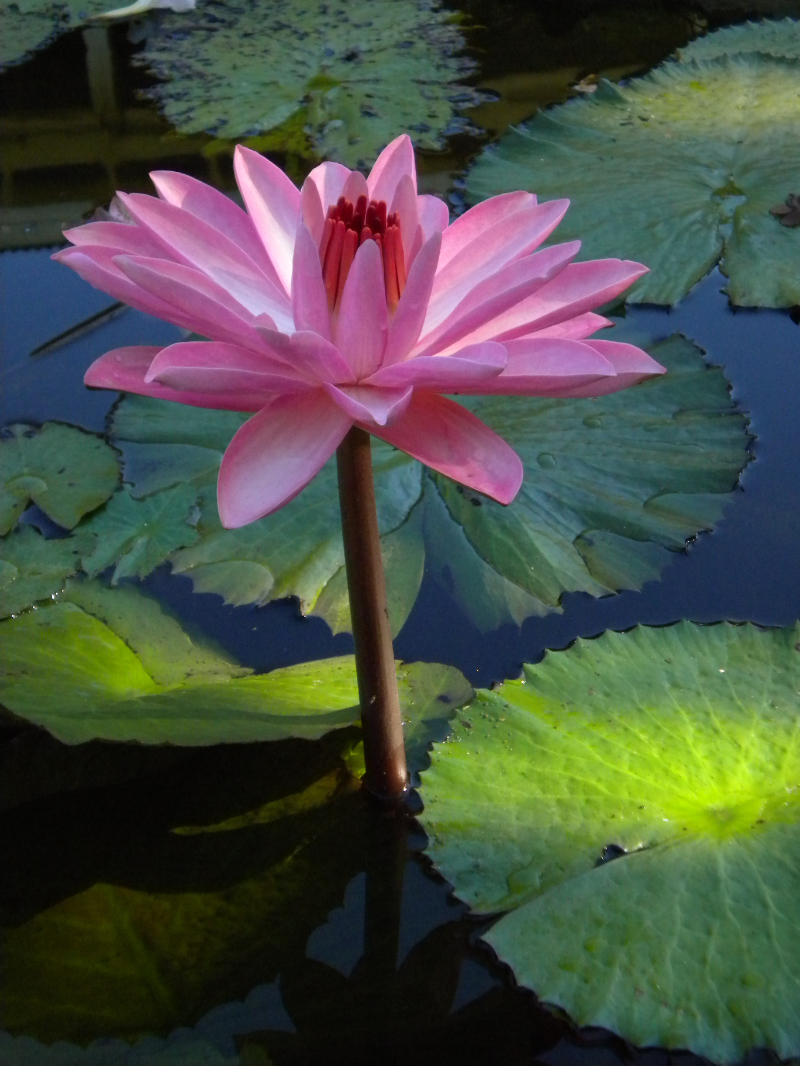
x=64, y=471
x=64, y=668
x=610, y=484
x=138, y=535
x=322, y=77
x=32, y=568
x=677, y=170
x=635, y=803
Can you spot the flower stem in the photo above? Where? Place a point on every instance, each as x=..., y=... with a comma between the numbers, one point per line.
x=382, y=726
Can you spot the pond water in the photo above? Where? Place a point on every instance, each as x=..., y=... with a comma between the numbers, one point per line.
x=370, y=958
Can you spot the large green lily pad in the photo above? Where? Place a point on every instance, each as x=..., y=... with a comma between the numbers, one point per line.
x=610, y=484
x=96, y=668
x=677, y=750
x=677, y=170
x=322, y=78
x=63, y=470
x=33, y=568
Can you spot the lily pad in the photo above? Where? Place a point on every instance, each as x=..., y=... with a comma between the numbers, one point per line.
x=294, y=552
x=63, y=470
x=775, y=37
x=139, y=534
x=33, y=568
x=322, y=77
x=31, y=24
x=610, y=484
x=187, y=1050
x=634, y=802
x=63, y=668
x=677, y=170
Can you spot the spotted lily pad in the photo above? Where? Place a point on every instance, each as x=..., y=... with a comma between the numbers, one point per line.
x=322, y=77
x=33, y=568
x=30, y=24
x=66, y=669
x=677, y=170
x=63, y=470
x=634, y=804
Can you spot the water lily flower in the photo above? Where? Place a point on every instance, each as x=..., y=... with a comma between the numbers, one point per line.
x=352, y=301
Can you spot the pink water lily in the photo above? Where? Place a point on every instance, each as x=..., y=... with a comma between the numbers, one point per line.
x=352, y=301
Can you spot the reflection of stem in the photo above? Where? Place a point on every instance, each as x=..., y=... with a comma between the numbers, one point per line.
x=385, y=868
x=382, y=727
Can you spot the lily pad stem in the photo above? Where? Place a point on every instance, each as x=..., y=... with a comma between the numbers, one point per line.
x=381, y=723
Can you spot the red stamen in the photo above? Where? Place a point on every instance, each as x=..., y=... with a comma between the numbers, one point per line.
x=348, y=255
x=399, y=260
x=390, y=268
x=366, y=234
x=381, y=207
x=333, y=258
x=327, y=230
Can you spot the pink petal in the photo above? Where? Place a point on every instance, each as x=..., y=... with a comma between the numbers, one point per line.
x=363, y=323
x=273, y=204
x=311, y=210
x=395, y=160
x=355, y=186
x=194, y=242
x=117, y=235
x=210, y=309
x=217, y=369
x=480, y=219
x=124, y=369
x=96, y=266
x=370, y=406
x=506, y=288
x=631, y=364
x=406, y=325
x=404, y=202
x=548, y=367
x=576, y=329
x=217, y=210
x=275, y=455
x=471, y=366
x=310, y=355
x=309, y=300
x=329, y=179
x=511, y=238
x=449, y=438
x=434, y=215
x=576, y=290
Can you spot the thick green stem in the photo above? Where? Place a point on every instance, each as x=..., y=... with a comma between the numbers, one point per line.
x=382, y=726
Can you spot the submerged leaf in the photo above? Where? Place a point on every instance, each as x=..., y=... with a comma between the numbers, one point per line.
x=635, y=803
x=63, y=470
x=323, y=78
x=677, y=170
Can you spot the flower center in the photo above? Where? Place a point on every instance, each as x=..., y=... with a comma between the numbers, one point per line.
x=346, y=229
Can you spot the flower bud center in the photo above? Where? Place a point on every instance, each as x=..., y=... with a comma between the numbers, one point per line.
x=346, y=228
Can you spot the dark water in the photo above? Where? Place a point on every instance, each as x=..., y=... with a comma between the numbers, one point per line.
x=374, y=960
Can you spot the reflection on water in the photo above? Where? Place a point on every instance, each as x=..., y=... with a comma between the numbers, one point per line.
x=320, y=935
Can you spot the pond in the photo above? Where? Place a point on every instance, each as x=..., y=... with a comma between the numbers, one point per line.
x=191, y=871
